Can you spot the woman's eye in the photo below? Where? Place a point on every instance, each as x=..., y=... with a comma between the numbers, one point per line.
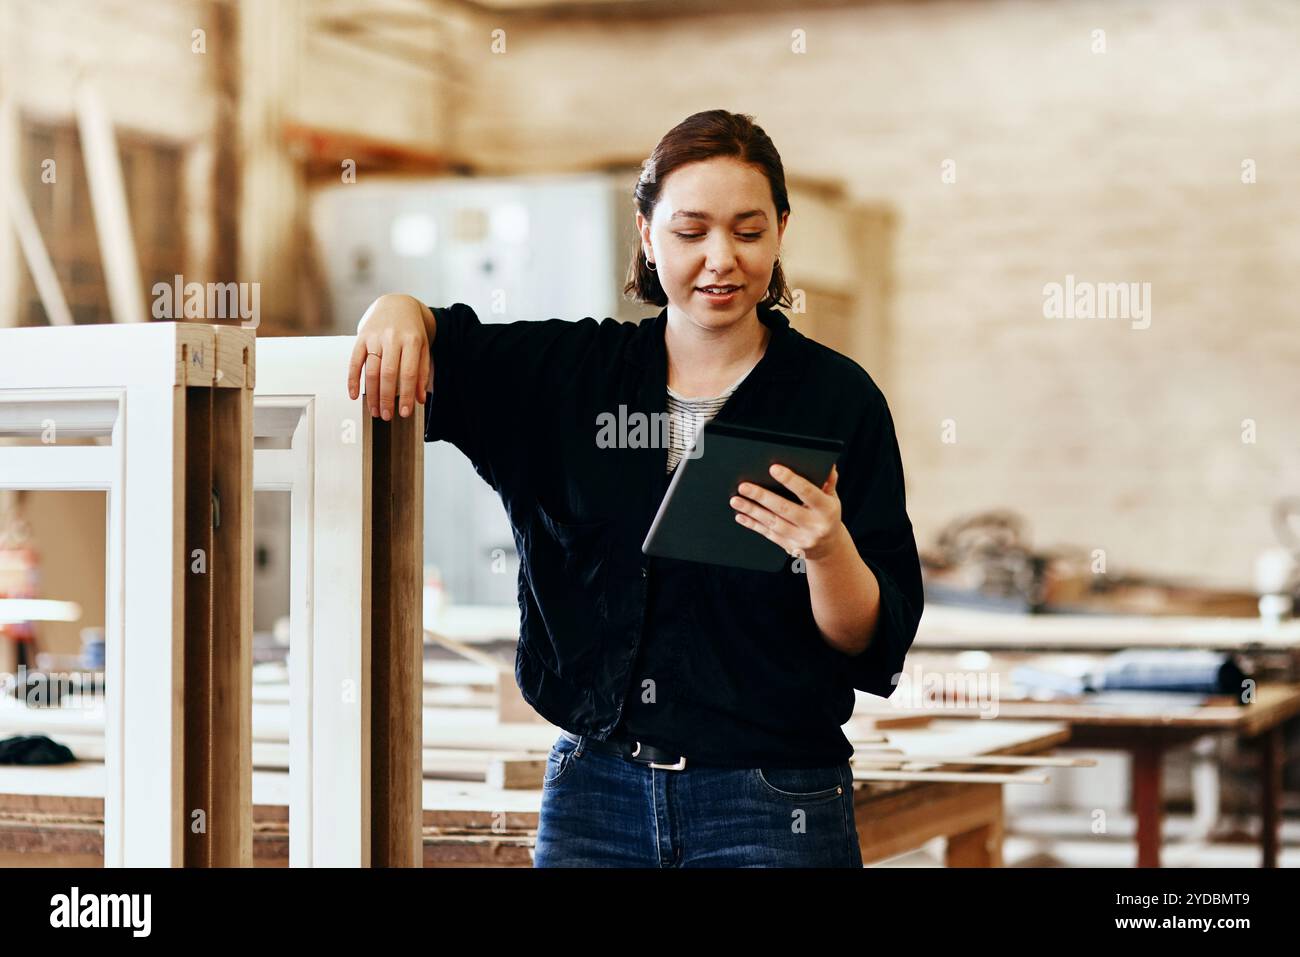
x=749, y=237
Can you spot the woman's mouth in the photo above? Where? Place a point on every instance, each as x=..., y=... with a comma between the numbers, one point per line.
x=720, y=294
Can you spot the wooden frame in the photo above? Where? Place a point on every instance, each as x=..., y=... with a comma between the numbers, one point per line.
x=356, y=639
x=175, y=406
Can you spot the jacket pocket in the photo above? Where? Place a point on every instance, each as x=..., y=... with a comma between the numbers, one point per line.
x=568, y=575
x=583, y=548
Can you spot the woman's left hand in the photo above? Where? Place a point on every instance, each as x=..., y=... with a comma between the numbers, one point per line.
x=811, y=530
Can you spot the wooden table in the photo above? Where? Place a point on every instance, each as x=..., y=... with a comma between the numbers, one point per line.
x=53, y=816
x=896, y=817
x=1147, y=732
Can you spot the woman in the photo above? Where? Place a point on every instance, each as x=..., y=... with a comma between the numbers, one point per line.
x=702, y=704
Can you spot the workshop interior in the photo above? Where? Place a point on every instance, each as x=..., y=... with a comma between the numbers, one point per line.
x=1062, y=239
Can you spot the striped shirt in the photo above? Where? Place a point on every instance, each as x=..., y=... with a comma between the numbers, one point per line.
x=687, y=416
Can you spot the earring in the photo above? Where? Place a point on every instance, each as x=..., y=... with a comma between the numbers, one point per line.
x=651, y=266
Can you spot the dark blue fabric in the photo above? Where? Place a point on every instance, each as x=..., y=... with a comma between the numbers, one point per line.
x=601, y=810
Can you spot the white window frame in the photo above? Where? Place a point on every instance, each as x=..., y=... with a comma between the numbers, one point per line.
x=130, y=382
x=335, y=798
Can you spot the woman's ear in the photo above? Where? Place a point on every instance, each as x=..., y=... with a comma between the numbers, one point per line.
x=643, y=233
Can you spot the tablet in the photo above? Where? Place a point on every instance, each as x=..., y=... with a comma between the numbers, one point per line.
x=696, y=522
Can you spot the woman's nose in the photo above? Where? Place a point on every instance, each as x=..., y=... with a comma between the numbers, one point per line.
x=720, y=255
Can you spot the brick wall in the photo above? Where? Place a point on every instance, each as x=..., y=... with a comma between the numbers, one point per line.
x=1122, y=166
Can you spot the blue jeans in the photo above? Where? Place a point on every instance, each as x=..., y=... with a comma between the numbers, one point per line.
x=602, y=810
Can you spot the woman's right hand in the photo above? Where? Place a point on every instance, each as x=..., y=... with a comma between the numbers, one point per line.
x=392, y=348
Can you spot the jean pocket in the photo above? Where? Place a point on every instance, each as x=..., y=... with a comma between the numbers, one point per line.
x=804, y=785
x=565, y=750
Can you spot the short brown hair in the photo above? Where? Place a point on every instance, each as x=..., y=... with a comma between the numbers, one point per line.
x=703, y=136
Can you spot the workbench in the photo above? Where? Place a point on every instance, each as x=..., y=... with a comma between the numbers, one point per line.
x=1146, y=729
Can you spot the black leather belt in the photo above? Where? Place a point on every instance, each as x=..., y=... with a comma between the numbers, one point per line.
x=639, y=752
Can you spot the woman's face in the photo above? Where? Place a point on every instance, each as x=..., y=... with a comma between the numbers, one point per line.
x=714, y=225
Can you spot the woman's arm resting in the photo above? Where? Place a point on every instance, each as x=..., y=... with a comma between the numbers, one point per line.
x=398, y=331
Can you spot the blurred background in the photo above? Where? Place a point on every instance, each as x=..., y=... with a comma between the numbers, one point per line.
x=948, y=163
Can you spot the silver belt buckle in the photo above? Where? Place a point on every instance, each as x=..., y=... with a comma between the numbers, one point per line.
x=679, y=766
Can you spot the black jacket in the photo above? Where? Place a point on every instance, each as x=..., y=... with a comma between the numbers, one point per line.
x=754, y=679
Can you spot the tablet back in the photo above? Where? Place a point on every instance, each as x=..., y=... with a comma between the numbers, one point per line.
x=696, y=522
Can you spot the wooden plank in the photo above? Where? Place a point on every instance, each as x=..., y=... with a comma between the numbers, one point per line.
x=1272, y=756
x=980, y=846
x=983, y=777
x=236, y=366
x=515, y=773
x=222, y=22
x=959, y=736
x=902, y=821
x=1274, y=703
x=1148, y=805
x=936, y=760
x=232, y=624
x=396, y=640
x=903, y=721
x=495, y=665
x=108, y=199
x=948, y=627
x=10, y=136
x=200, y=818
x=36, y=255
